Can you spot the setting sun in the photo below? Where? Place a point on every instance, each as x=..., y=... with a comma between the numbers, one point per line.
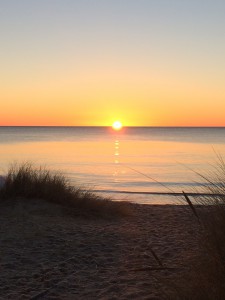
x=117, y=125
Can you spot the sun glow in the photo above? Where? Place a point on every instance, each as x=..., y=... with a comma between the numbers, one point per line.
x=117, y=125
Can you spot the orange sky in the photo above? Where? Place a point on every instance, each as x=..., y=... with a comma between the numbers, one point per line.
x=141, y=62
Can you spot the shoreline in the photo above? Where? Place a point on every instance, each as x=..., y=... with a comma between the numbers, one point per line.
x=154, y=198
x=158, y=193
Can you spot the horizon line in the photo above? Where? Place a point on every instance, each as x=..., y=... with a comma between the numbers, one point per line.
x=124, y=126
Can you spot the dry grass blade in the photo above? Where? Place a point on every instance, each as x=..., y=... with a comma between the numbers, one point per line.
x=191, y=205
x=40, y=295
x=153, y=179
x=156, y=257
x=156, y=269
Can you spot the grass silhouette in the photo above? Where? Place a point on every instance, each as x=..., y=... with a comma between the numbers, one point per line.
x=27, y=181
x=206, y=277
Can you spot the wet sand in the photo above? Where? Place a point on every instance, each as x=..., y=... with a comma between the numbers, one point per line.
x=48, y=254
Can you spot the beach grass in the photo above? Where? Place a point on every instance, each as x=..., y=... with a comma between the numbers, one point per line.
x=206, y=277
x=28, y=181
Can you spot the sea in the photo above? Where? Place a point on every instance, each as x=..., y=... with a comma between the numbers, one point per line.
x=138, y=164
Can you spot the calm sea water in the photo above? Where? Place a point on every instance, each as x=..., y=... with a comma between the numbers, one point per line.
x=104, y=160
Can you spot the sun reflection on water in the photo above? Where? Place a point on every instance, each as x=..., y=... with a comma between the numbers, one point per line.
x=116, y=160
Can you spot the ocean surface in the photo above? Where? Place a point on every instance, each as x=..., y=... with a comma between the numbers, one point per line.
x=127, y=165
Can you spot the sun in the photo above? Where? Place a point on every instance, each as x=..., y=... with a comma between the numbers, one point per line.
x=117, y=125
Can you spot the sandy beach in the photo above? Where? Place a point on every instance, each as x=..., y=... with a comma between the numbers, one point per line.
x=47, y=253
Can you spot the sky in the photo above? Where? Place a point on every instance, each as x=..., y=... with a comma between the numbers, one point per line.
x=91, y=62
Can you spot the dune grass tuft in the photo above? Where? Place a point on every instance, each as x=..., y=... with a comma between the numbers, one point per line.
x=27, y=181
x=206, y=277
